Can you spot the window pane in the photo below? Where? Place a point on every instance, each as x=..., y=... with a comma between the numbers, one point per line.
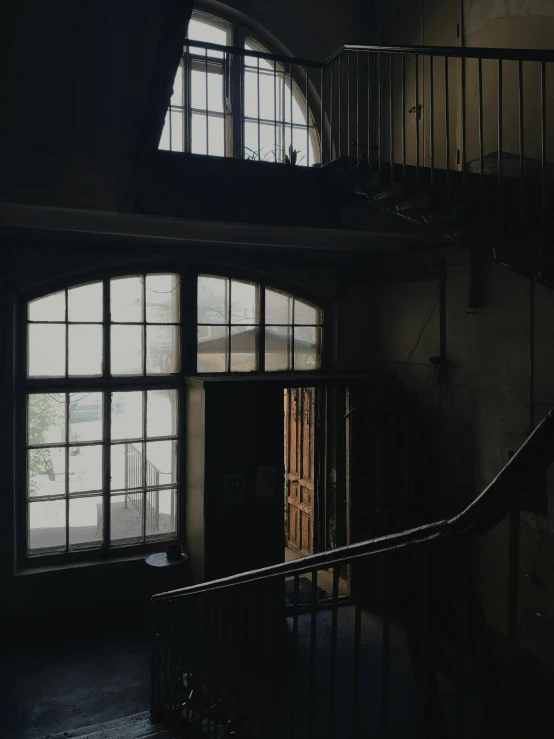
x=213, y=348
x=162, y=298
x=213, y=299
x=47, y=525
x=267, y=149
x=198, y=134
x=127, y=350
x=216, y=132
x=277, y=348
x=177, y=96
x=161, y=417
x=264, y=87
x=85, y=350
x=162, y=350
x=50, y=308
x=126, y=300
x=198, y=88
x=161, y=513
x=161, y=463
x=46, y=472
x=306, y=313
x=244, y=302
x=177, y=142
x=85, y=417
x=278, y=307
x=201, y=29
x=46, y=418
x=84, y=304
x=251, y=45
x=127, y=466
x=46, y=350
x=86, y=522
x=127, y=415
x=307, y=348
x=126, y=518
x=85, y=469
x=244, y=344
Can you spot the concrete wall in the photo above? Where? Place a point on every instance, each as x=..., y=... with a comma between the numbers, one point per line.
x=311, y=29
x=481, y=409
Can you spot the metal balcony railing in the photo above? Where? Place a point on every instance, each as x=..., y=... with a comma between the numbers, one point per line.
x=462, y=139
x=259, y=651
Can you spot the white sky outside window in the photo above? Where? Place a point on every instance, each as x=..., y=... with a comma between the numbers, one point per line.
x=268, y=104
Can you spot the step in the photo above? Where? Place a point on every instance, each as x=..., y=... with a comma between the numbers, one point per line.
x=138, y=726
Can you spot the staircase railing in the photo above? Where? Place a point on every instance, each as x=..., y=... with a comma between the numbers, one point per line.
x=146, y=504
x=459, y=139
x=390, y=660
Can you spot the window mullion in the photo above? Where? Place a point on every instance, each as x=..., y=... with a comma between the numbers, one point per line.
x=261, y=330
x=106, y=419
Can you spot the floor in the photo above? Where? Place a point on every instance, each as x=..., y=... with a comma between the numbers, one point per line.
x=62, y=687
x=324, y=577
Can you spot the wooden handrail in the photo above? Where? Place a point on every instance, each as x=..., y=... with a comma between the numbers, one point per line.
x=487, y=509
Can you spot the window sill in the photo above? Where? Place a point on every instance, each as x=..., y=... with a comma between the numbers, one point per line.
x=31, y=569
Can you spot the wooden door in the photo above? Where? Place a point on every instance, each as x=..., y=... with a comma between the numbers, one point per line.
x=300, y=469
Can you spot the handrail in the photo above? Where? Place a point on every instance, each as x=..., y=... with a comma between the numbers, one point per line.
x=479, y=516
x=460, y=52
x=238, y=51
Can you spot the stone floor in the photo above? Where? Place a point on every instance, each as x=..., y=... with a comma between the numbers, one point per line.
x=60, y=687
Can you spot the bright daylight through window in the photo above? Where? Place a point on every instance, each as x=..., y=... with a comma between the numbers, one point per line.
x=101, y=463
x=226, y=104
x=104, y=367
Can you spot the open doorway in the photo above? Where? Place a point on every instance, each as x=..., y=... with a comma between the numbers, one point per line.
x=305, y=492
x=300, y=482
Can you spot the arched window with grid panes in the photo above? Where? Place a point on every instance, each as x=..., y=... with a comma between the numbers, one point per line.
x=104, y=365
x=248, y=104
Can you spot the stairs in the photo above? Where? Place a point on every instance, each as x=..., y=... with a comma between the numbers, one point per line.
x=138, y=726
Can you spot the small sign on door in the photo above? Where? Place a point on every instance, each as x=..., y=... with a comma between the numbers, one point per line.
x=265, y=481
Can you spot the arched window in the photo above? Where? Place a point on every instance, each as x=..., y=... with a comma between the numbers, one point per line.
x=247, y=105
x=104, y=365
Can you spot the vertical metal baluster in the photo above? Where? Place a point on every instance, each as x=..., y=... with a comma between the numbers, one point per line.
x=348, y=85
x=385, y=676
x=463, y=143
x=500, y=165
x=379, y=113
x=356, y=672
x=544, y=203
x=391, y=116
x=313, y=646
x=358, y=107
x=322, y=117
x=331, y=111
x=293, y=680
x=307, y=117
x=447, y=125
x=333, y=670
x=461, y=646
x=481, y=134
x=258, y=101
x=207, y=106
x=369, y=118
x=417, y=120
x=404, y=116
x=521, y=142
x=339, y=106
x=432, y=117
x=224, y=92
x=291, y=125
x=421, y=646
x=275, y=109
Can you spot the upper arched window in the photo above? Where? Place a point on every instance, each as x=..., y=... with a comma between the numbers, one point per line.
x=248, y=105
x=104, y=365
